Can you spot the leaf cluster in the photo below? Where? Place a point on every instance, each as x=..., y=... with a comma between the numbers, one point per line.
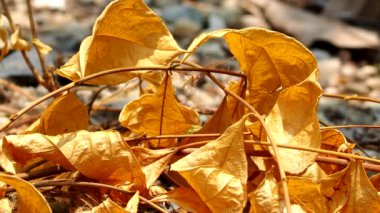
x=263, y=149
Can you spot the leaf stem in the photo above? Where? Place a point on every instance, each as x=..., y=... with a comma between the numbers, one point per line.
x=352, y=97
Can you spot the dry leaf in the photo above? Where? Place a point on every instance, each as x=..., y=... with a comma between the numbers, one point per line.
x=65, y=114
x=228, y=112
x=18, y=43
x=5, y=205
x=218, y=171
x=293, y=121
x=271, y=61
x=334, y=140
x=266, y=197
x=362, y=195
x=42, y=47
x=126, y=34
x=133, y=203
x=159, y=113
x=4, y=39
x=307, y=194
x=108, y=206
x=186, y=198
x=29, y=199
x=100, y=155
x=350, y=190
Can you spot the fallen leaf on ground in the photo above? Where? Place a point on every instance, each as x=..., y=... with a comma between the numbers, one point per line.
x=100, y=155
x=65, y=114
x=158, y=114
x=127, y=34
x=218, y=170
x=29, y=199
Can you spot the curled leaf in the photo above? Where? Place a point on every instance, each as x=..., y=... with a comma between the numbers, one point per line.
x=158, y=113
x=42, y=47
x=29, y=198
x=18, y=43
x=218, y=170
x=100, y=155
x=65, y=114
x=126, y=34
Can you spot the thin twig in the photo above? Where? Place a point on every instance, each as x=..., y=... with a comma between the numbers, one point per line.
x=352, y=97
x=351, y=126
x=17, y=89
x=94, y=97
x=90, y=184
x=50, y=83
x=270, y=137
x=108, y=72
x=30, y=65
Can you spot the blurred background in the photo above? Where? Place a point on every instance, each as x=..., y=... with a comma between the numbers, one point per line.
x=343, y=35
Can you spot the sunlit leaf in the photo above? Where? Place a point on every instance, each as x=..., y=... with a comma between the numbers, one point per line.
x=228, y=112
x=100, y=155
x=126, y=34
x=42, y=47
x=133, y=203
x=271, y=61
x=186, y=198
x=307, y=194
x=159, y=113
x=293, y=121
x=65, y=114
x=108, y=206
x=17, y=42
x=29, y=199
x=218, y=171
x=4, y=38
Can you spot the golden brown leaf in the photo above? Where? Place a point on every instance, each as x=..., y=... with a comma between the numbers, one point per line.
x=18, y=43
x=4, y=39
x=29, y=198
x=362, y=195
x=5, y=205
x=100, y=155
x=108, y=206
x=350, y=190
x=42, y=47
x=159, y=113
x=266, y=197
x=126, y=34
x=133, y=203
x=218, y=171
x=293, y=121
x=228, y=112
x=271, y=61
x=307, y=194
x=65, y=114
x=186, y=198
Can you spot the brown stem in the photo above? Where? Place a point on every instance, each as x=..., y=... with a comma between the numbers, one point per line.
x=352, y=97
x=90, y=184
x=23, y=52
x=49, y=82
x=108, y=72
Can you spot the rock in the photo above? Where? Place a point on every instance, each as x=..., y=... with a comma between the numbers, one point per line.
x=52, y=5
x=356, y=88
x=253, y=21
x=349, y=70
x=173, y=13
x=13, y=67
x=329, y=71
x=216, y=22
x=366, y=71
x=321, y=54
x=211, y=49
x=163, y=3
x=373, y=83
x=185, y=27
x=374, y=94
x=231, y=17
